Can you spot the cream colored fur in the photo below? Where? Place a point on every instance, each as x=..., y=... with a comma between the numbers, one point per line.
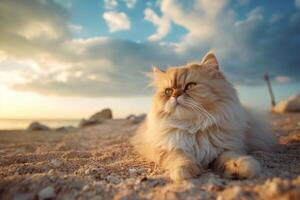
x=203, y=125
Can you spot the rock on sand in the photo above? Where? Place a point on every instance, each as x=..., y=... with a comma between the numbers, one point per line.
x=97, y=118
x=292, y=104
x=136, y=118
x=37, y=126
x=103, y=114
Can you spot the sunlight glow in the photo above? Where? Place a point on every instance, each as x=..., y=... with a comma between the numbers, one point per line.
x=27, y=105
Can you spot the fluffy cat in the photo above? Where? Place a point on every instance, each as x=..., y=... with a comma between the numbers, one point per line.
x=196, y=120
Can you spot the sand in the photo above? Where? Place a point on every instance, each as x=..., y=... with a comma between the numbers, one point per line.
x=98, y=162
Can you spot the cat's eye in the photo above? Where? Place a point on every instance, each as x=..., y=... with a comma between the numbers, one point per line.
x=168, y=91
x=190, y=85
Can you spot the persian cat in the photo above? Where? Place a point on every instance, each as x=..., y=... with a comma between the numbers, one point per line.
x=196, y=121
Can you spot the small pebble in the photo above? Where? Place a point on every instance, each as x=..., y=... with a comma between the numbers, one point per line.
x=237, y=191
x=99, y=183
x=274, y=188
x=132, y=172
x=47, y=193
x=113, y=179
x=96, y=170
x=87, y=172
x=153, y=183
x=214, y=188
x=56, y=163
x=86, y=188
x=51, y=172
x=131, y=181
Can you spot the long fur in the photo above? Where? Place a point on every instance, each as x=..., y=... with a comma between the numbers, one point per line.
x=202, y=123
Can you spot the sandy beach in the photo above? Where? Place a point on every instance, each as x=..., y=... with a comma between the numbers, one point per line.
x=98, y=162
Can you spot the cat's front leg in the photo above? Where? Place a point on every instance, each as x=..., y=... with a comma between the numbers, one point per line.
x=180, y=165
x=237, y=166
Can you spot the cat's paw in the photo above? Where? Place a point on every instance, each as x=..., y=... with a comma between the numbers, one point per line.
x=242, y=168
x=187, y=171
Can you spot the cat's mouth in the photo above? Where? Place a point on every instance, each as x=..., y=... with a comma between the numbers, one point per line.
x=177, y=102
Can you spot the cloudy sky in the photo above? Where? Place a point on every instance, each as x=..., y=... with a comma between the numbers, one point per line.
x=69, y=58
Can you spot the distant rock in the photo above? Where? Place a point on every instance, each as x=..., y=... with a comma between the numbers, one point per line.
x=37, y=126
x=97, y=118
x=292, y=104
x=103, y=114
x=65, y=128
x=130, y=117
x=136, y=118
x=88, y=122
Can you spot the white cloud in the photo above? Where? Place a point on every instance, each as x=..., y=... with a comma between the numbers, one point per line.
x=110, y=4
x=163, y=24
x=49, y=61
x=62, y=77
x=116, y=21
x=282, y=79
x=39, y=29
x=75, y=27
x=130, y=3
x=3, y=56
x=201, y=20
x=18, y=71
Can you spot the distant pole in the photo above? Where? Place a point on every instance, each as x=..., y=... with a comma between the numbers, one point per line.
x=270, y=90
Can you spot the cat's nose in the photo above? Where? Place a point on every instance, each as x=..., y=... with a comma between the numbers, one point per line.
x=176, y=93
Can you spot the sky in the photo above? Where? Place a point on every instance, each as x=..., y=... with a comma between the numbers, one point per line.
x=71, y=58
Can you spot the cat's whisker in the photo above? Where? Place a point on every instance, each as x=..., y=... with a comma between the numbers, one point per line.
x=212, y=118
x=201, y=110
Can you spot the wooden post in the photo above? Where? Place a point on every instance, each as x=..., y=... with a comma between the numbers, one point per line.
x=273, y=103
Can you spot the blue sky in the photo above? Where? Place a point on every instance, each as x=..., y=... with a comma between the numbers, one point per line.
x=95, y=52
x=89, y=16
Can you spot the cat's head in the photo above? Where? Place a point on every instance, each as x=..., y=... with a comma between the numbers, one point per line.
x=190, y=91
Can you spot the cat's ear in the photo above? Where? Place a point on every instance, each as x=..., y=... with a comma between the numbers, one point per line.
x=157, y=72
x=210, y=60
x=157, y=75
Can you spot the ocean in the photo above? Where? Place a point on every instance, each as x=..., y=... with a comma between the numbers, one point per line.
x=12, y=124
